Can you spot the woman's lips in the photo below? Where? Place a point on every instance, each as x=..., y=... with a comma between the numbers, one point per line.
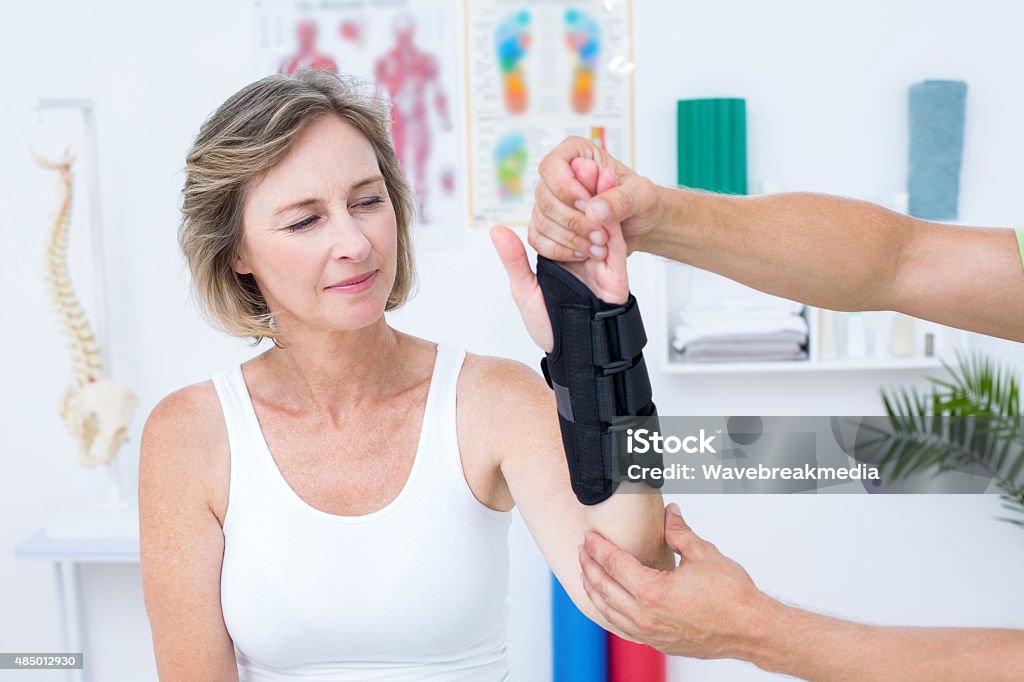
x=356, y=286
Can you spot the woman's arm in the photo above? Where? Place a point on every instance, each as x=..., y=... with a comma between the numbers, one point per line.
x=181, y=541
x=529, y=450
x=508, y=415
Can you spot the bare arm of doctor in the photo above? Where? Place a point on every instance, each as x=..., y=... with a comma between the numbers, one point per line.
x=512, y=412
x=180, y=538
x=824, y=251
x=709, y=607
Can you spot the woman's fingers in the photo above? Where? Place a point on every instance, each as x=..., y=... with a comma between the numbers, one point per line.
x=513, y=256
x=554, y=223
x=587, y=172
x=523, y=283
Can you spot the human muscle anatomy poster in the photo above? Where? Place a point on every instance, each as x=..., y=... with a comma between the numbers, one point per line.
x=410, y=50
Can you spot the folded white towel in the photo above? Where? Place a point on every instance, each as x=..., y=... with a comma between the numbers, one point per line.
x=765, y=355
x=786, y=339
x=686, y=334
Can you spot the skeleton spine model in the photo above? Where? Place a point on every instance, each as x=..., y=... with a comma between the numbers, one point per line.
x=86, y=360
x=96, y=409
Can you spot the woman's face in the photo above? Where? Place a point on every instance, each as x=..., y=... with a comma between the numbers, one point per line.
x=320, y=232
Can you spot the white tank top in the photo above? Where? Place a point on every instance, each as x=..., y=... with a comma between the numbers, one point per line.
x=416, y=590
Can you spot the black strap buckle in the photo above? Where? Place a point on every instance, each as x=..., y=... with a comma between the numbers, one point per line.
x=616, y=367
x=617, y=336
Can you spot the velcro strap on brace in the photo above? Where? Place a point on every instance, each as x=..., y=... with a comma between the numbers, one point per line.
x=601, y=385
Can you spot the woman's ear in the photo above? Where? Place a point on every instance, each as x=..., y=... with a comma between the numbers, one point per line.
x=241, y=268
x=239, y=265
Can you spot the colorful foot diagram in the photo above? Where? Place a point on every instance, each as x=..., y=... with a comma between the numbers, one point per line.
x=512, y=40
x=582, y=34
x=510, y=165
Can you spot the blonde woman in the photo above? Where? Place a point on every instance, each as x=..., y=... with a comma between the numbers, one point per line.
x=337, y=507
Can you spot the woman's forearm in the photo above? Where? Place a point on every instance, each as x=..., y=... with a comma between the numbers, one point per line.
x=825, y=251
x=633, y=518
x=823, y=649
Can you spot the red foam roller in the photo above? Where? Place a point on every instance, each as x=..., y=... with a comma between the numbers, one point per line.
x=629, y=662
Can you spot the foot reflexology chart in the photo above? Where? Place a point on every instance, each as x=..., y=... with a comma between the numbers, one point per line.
x=538, y=71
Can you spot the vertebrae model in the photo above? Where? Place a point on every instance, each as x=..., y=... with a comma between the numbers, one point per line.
x=96, y=410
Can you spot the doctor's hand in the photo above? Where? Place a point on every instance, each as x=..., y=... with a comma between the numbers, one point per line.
x=708, y=607
x=568, y=212
x=606, y=278
x=704, y=608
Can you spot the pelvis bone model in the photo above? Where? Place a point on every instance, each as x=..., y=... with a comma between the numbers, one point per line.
x=96, y=409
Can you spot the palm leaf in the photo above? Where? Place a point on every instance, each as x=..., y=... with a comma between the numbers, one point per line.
x=972, y=421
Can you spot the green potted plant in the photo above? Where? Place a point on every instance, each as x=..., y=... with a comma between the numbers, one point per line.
x=970, y=422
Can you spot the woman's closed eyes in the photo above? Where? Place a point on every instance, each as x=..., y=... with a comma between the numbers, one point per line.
x=366, y=204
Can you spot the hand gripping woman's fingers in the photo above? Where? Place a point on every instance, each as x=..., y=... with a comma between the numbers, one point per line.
x=596, y=180
x=555, y=240
x=613, y=228
x=556, y=171
x=615, y=205
x=563, y=223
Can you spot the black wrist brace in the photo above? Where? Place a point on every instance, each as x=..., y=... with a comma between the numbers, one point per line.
x=601, y=385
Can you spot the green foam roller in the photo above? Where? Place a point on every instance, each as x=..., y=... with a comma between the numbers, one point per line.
x=712, y=139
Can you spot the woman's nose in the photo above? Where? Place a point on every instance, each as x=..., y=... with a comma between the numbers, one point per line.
x=348, y=242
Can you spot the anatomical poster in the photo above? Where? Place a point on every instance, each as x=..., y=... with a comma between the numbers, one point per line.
x=538, y=71
x=410, y=50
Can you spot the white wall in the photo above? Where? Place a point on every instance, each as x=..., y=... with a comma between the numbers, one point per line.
x=825, y=84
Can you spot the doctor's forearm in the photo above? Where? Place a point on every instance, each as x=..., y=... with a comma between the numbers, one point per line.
x=844, y=254
x=825, y=251
x=823, y=649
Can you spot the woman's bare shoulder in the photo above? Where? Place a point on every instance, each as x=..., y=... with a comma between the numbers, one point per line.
x=187, y=415
x=185, y=440
x=498, y=391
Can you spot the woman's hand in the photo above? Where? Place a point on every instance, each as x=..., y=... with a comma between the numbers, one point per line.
x=607, y=278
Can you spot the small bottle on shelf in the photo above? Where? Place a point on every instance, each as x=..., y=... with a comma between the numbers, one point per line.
x=828, y=343
x=902, y=336
x=856, y=346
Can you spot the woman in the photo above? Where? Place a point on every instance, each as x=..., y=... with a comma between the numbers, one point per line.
x=337, y=507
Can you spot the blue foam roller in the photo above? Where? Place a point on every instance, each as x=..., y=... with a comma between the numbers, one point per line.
x=579, y=648
x=936, y=148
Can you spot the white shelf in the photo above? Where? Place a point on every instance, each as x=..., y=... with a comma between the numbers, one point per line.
x=862, y=364
x=673, y=282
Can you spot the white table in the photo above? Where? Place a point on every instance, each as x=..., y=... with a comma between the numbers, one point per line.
x=66, y=556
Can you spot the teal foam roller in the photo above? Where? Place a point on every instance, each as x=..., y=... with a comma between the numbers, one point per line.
x=712, y=144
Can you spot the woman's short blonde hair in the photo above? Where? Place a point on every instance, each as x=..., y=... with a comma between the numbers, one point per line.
x=236, y=146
